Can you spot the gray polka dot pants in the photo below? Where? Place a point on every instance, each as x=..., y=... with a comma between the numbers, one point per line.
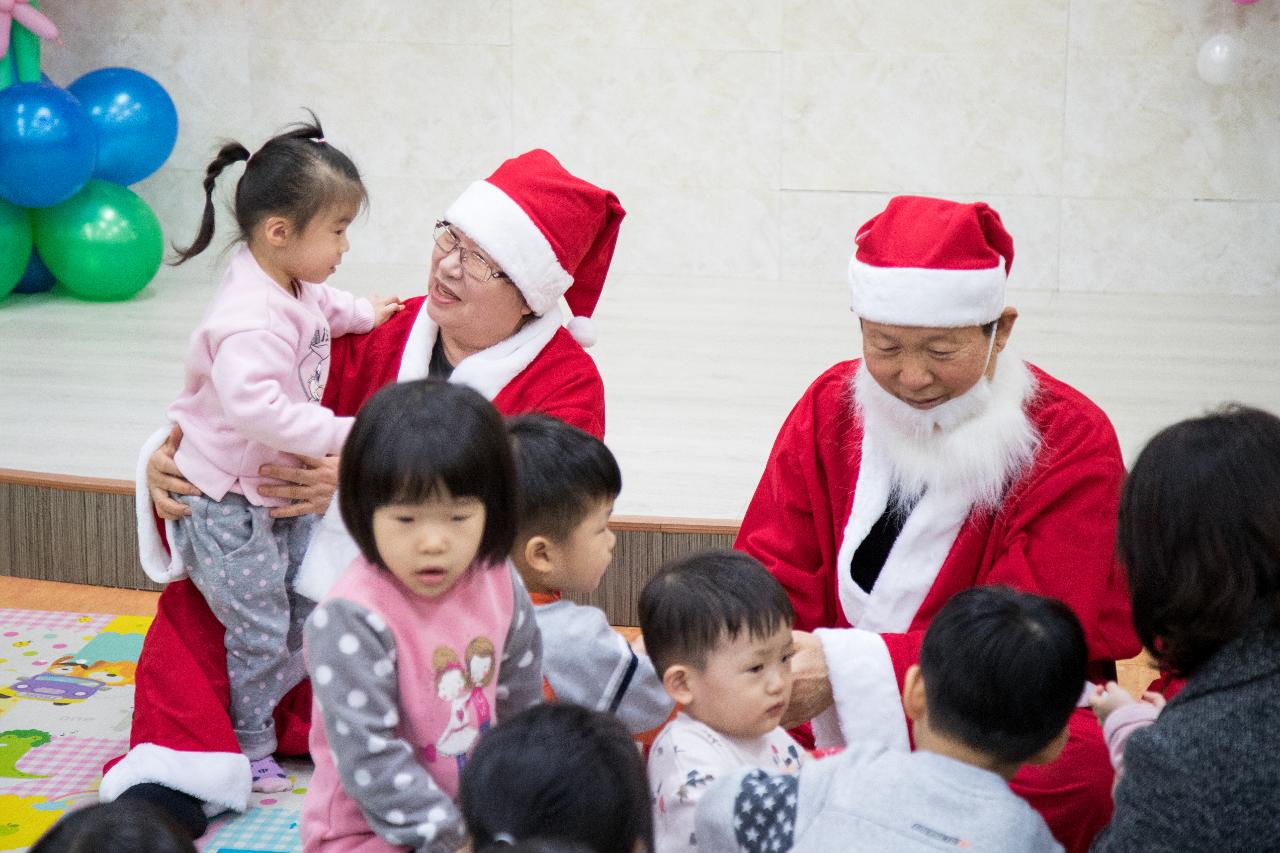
x=244, y=563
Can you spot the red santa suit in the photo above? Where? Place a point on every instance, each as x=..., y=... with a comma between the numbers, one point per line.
x=182, y=736
x=1054, y=535
x=828, y=481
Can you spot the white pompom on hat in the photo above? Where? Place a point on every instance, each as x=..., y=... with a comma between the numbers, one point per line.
x=551, y=232
x=932, y=263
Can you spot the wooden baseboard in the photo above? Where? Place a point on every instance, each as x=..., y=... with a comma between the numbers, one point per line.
x=56, y=527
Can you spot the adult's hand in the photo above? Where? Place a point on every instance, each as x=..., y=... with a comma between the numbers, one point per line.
x=310, y=485
x=164, y=479
x=811, y=688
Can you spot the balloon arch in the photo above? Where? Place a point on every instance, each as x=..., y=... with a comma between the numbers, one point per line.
x=67, y=157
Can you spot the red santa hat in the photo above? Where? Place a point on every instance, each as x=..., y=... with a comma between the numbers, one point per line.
x=931, y=262
x=553, y=233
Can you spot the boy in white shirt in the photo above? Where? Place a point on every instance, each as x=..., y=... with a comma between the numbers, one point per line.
x=717, y=627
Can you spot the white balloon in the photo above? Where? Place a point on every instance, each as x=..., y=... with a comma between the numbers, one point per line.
x=1221, y=60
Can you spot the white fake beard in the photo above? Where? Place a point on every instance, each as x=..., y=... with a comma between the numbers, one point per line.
x=972, y=446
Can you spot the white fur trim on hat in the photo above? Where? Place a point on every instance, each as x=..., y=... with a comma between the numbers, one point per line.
x=501, y=227
x=933, y=298
x=221, y=780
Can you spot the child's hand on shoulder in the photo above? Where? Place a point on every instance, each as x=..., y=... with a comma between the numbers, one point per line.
x=384, y=308
x=1109, y=697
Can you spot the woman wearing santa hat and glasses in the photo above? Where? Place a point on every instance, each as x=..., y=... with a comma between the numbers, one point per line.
x=940, y=461
x=504, y=254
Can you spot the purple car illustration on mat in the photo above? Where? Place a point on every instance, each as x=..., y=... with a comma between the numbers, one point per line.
x=58, y=689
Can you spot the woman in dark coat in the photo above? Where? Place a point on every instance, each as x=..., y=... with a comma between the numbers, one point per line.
x=1199, y=534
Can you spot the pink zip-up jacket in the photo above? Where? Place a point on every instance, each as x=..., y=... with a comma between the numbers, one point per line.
x=255, y=373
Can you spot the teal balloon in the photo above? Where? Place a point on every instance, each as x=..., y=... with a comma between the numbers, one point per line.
x=15, y=245
x=103, y=244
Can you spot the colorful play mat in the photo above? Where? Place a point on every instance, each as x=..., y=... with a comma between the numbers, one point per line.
x=66, y=699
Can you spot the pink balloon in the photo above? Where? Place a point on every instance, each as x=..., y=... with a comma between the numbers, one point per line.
x=30, y=17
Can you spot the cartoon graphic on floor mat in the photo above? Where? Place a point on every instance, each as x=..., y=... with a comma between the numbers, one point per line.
x=53, y=744
x=16, y=743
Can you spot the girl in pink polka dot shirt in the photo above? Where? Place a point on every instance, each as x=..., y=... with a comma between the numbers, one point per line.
x=427, y=492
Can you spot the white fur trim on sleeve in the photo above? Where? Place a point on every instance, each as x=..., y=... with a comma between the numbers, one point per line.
x=912, y=296
x=156, y=560
x=868, y=705
x=331, y=550
x=501, y=227
x=220, y=779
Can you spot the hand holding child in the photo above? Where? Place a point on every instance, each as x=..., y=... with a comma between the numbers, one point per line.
x=164, y=479
x=384, y=308
x=1109, y=697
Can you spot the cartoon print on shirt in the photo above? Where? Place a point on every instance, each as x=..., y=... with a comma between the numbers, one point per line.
x=460, y=732
x=480, y=671
x=694, y=779
x=313, y=370
x=788, y=761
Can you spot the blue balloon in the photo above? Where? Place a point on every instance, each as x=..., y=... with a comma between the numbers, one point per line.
x=36, y=278
x=47, y=145
x=135, y=119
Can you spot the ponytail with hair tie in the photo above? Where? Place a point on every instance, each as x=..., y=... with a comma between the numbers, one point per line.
x=295, y=174
x=230, y=152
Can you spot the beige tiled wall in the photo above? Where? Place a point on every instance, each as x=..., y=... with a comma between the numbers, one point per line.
x=748, y=139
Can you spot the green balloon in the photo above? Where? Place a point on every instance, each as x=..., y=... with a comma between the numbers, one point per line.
x=15, y=245
x=103, y=244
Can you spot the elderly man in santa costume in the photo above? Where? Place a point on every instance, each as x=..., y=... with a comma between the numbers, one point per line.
x=937, y=462
x=509, y=248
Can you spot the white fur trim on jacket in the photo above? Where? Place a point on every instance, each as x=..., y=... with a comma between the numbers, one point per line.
x=915, y=559
x=501, y=227
x=914, y=296
x=868, y=706
x=152, y=554
x=221, y=780
x=489, y=370
x=332, y=549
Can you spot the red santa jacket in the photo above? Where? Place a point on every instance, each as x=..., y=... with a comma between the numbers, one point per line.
x=1054, y=535
x=562, y=382
x=182, y=736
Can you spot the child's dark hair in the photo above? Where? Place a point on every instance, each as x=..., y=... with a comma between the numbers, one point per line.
x=696, y=602
x=413, y=439
x=563, y=474
x=122, y=826
x=1003, y=670
x=558, y=773
x=534, y=845
x=296, y=174
x=1199, y=534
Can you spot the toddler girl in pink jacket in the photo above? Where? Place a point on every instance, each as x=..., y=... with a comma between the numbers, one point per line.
x=255, y=373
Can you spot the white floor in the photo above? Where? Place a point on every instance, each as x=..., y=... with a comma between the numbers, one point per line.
x=699, y=372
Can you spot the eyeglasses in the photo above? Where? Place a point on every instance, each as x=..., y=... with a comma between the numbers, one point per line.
x=472, y=264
